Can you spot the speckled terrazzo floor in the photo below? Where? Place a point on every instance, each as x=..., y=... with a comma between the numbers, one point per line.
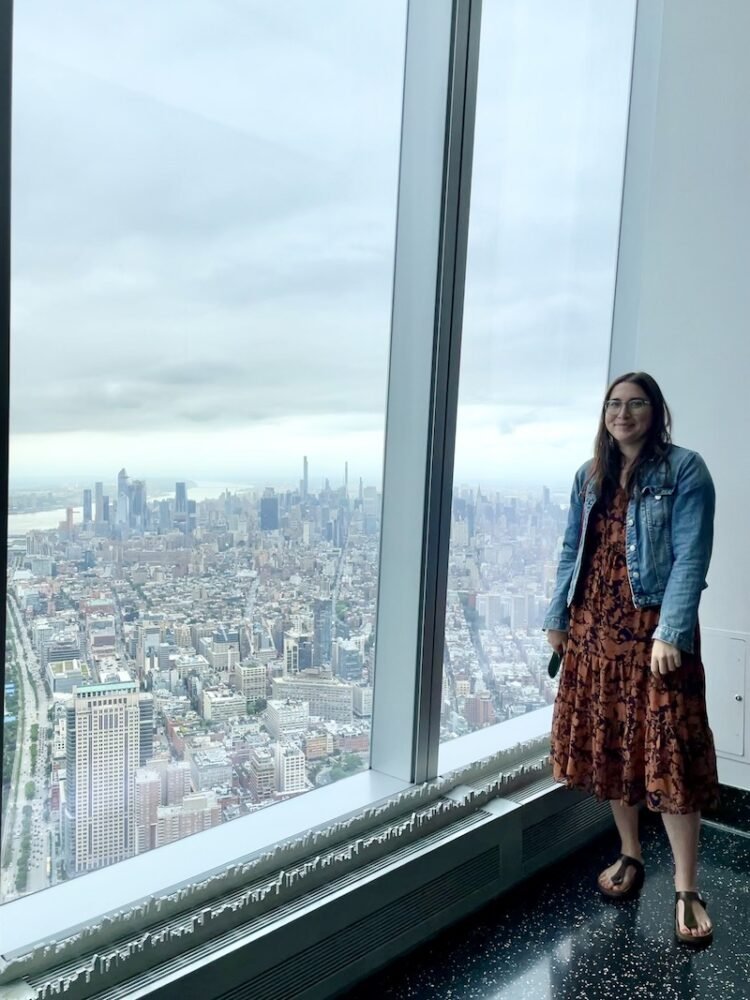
x=557, y=937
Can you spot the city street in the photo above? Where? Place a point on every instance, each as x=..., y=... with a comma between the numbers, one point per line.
x=35, y=708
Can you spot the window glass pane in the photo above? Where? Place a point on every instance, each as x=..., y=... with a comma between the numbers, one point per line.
x=545, y=203
x=204, y=203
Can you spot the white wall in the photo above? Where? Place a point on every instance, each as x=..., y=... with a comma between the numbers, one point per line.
x=682, y=309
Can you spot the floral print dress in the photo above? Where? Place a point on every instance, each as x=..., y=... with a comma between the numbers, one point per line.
x=618, y=731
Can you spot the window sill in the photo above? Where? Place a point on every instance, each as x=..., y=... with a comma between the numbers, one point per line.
x=485, y=742
x=57, y=911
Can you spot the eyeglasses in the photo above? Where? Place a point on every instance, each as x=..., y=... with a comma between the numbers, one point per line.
x=632, y=405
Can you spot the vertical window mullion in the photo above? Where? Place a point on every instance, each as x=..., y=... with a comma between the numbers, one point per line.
x=6, y=49
x=442, y=49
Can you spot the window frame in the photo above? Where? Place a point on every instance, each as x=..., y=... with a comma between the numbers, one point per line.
x=434, y=186
x=439, y=99
x=440, y=90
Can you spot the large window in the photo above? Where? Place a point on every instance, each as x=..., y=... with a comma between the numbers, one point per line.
x=545, y=209
x=222, y=328
x=204, y=204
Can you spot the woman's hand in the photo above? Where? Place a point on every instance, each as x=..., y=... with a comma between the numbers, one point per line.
x=664, y=658
x=558, y=640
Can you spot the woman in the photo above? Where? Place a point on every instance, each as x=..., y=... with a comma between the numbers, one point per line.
x=629, y=722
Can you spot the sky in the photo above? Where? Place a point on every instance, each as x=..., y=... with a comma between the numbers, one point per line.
x=204, y=208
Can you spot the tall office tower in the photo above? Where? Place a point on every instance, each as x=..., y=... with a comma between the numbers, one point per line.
x=146, y=727
x=99, y=488
x=371, y=510
x=87, y=507
x=290, y=769
x=346, y=479
x=165, y=518
x=262, y=774
x=347, y=660
x=138, y=506
x=269, y=512
x=192, y=516
x=105, y=509
x=177, y=782
x=361, y=490
x=180, y=498
x=69, y=521
x=123, y=498
x=322, y=621
x=180, y=507
x=305, y=478
x=291, y=654
x=102, y=757
x=147, y=802
x=298, y=651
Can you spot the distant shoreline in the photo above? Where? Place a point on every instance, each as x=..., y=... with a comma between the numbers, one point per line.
x=21, y=522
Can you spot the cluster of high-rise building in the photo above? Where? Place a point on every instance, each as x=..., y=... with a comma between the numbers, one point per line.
x=129, y=509
x=503, y=560
x=207, y=659
x=202, y=660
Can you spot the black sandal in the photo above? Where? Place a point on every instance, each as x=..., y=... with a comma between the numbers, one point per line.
x=635, y=886
x=688, y=897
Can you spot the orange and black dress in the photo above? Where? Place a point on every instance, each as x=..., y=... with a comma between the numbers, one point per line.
x=617, y=730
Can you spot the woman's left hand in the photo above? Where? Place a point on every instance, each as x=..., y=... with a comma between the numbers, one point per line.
x=664, y=658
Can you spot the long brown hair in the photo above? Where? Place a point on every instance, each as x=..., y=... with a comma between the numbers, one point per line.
x=607, y=464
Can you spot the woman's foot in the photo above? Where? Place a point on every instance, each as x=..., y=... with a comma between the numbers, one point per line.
x=692, y=924
x=624, y=878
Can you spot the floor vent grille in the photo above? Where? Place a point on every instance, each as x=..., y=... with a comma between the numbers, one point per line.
x=568, y=826
x=377, y=929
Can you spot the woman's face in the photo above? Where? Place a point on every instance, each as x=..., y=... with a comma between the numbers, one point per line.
x=628, y=422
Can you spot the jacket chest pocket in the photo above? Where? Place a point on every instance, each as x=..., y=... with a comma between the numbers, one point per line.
x=657, y=505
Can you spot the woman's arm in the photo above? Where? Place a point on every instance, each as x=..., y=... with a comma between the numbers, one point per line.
x=692, y=541
x=557, y=616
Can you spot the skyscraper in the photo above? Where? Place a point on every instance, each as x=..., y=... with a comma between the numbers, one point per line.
x=269, y=512
x=192, y=516
x=138, y=519
x=87, y=507
x=322, y=619
x=305, y=479
x=165, y=518
x=147, y=802
x=181, y=507
x=123, y=498
x=180, y=498
x=99, y=488
x=103, y=751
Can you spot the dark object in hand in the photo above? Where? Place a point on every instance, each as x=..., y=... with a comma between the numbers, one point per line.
x=554, y=664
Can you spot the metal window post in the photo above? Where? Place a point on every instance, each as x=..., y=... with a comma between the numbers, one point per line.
x=440, y=80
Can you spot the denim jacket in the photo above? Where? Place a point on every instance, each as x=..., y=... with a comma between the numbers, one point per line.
x=668, y=542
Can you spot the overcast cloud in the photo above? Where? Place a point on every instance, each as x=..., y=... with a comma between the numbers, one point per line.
x=203, y=218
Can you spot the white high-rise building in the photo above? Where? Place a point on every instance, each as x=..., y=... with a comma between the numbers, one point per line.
x=147, y=802
x=290, y=768
x=286, y=717
x=102, y=748
x=250, y=679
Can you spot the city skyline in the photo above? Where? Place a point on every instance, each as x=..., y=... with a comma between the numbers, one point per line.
x=241, y=630
x=215, y=319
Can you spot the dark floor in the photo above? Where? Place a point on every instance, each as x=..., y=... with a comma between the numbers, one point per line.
x=557, y=937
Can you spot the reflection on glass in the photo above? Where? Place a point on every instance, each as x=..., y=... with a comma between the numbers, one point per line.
x=203, y=225
x=548, y=163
